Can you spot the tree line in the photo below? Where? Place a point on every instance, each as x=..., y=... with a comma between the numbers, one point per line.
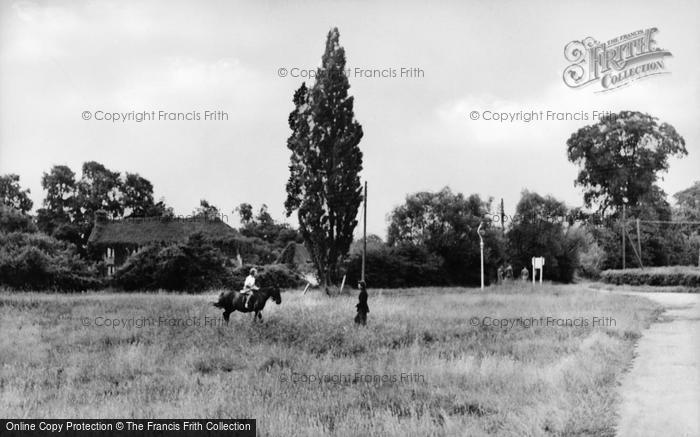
x=431, y=238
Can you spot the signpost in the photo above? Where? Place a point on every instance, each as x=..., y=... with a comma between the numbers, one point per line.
x=537, y=263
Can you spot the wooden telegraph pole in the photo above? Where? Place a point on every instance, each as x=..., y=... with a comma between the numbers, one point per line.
x=503, y=216
x=639, y=244
x=364, y=233
x=624, y=230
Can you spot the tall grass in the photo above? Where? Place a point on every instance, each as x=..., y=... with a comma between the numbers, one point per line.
x=466, y=378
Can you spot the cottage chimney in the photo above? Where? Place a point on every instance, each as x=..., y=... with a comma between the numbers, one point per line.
x=100, y=217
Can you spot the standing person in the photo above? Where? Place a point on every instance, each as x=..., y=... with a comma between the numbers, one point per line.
x=524, y=274
x=362, y=307
x=499, y=272
x=509, y=272
x=249, y=286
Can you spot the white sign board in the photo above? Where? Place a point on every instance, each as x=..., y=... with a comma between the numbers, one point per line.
x=537, y=263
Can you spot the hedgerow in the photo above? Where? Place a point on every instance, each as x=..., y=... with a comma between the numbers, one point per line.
x=687, y=276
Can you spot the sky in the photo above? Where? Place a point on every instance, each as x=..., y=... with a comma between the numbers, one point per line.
x=60, y=59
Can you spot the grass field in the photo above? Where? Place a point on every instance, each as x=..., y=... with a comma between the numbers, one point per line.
x=429, y=362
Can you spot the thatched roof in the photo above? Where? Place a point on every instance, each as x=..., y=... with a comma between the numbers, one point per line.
x=297, y=256
x=141, y=231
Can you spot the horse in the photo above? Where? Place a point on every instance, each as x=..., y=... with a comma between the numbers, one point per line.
x=234, y=300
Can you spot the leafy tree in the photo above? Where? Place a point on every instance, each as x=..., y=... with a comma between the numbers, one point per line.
x=137, y=196
x=245, y=211
x=60, y=203
x=374, y=242
x=264, y=217
x=688, y=209
x=264, y=228
x=160, y=209
x=99, y=188
x=446, y=224
x=11, y=194
x=620, y=158
x=207, y=210
x=398, y=267
x=538, y=229
x=688, y=203
x=324, y=183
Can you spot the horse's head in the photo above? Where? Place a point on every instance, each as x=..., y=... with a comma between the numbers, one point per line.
x=275, y=295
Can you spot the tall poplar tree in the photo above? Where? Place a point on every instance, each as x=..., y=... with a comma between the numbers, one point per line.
x=324, y=183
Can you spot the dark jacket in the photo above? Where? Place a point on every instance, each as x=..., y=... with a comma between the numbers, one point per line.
x=362, y=306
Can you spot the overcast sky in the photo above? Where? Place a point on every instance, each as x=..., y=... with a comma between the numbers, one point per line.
x=59, y=59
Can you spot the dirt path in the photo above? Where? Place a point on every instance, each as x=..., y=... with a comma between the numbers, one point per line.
x=661, y=393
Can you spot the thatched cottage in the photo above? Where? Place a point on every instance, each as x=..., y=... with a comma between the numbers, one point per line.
x=116, y=240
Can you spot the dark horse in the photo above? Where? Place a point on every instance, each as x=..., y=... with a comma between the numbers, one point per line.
x=234, y=300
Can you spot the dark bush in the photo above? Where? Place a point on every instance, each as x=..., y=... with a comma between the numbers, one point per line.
x=193, y=266
x=139, y=271
x=12, y=220
x=275, y=275
x=659, y=276
x=397, y=267
x=34, y=261
x=261, y=252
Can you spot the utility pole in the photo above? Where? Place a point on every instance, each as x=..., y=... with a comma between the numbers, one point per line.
x=503, y=216
x=624, y=230
x=639, y=244
x=364, y=233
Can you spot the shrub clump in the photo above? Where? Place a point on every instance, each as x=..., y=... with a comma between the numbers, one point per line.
x=192, y=266
x=398, y=267
x=34, y=261
x=271, y=275
x=687, y=276
x=12, y=220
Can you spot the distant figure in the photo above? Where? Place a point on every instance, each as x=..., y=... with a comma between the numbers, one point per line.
x=362, y=307
x=509, y=272
x=524, y=274
x=499, y=272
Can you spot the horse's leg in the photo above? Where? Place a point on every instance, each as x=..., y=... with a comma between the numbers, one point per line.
x=226, y=316
x=260, y=317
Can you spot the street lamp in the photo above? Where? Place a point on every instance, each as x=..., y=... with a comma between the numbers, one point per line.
x=481, y=246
